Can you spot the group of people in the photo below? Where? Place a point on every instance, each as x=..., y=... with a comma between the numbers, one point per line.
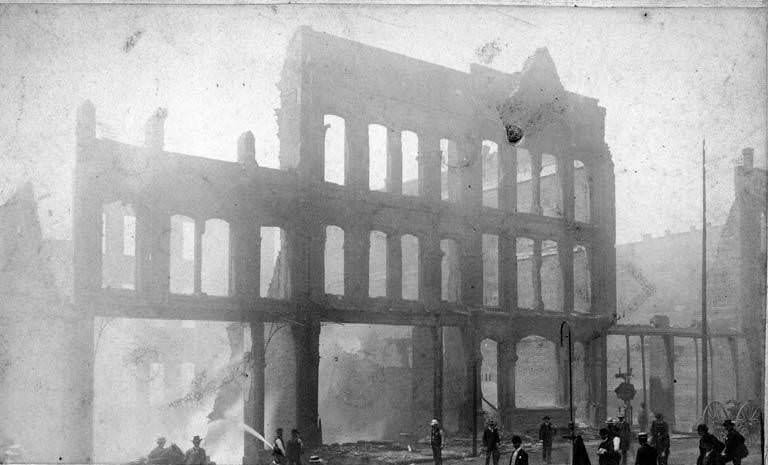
x=491, y=443
x=162, y=455
x=287, y=453
x=614, y=446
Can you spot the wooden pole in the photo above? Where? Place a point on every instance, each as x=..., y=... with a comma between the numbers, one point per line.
x=704, y=329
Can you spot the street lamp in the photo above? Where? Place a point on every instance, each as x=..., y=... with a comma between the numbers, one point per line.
x=572, y=424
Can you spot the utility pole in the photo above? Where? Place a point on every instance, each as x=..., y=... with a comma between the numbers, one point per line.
x=704, y=331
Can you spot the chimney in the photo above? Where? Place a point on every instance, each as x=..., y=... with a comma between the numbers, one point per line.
x=748, y=158
x=154, y=130
x=246, y=148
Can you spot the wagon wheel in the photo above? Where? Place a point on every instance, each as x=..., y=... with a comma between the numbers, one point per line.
x=748, y=422
x=714, y=416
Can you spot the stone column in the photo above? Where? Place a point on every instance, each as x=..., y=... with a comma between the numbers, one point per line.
x=565, y=257
x=394, y=161
x=565, y=173
x=198, y=273
x=306, y=339
x=536, y=261
x=437, y=369
x=471, y=174
x=356, y=252
x=535, y=181
x=429, y=167
x=596, y=369
x=661, y=376
x=474, y=357
x=507, y=177
x=357, y=160
x=508, y=272
x=507, y=362
x=423, y=375
x=253, y=408
x=394, y=266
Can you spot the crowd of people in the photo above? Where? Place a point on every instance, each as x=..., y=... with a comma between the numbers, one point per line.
x=653, y=447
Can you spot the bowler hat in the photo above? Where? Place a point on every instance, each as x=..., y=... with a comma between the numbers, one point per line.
x=196, y=439
x=728, y=423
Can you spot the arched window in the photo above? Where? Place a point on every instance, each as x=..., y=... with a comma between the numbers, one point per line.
x=537, y=374
x=377, y=157
x=549, y=186
x=214, y=279
x=551, y=277
x=377, y=265
x=335, y=147
x=490, y=270
x=118, y=264
x=275, y=278
x=334, y=260
x=489, y=375
x=490, y=166
x=582, y=289
x=581, y=191
x=450, y=172
x=182, y=259
x=525, y=297
x=450, y=271
x=410, y=274
x=410, y=149
x=524, y=183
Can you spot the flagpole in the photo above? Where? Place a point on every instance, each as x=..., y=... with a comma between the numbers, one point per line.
x=704, y=329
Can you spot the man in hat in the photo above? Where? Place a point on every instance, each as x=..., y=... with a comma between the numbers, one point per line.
x=278, y=448
x=156, y=453
x=196, y=455
x=546, y=435
x=491, y=442
x=294, y=448
x=519, y=456
x=706, y=436
x=646, y=455
x=436, y=441
x=710, y=445
x=642, y=417
x=624, y=432
x=607, y=453
x=660, y=438
x=735, y=449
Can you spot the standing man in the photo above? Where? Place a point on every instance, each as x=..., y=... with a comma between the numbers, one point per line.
x=278, y=449
x=294, y=448
x=735, y=449
x=624, y=432
x=646, y=455
x=607, y=453
x=436, y=441
x=491, y=442
x=706, y=437
x=642, y=417
x=660, y=438
x=519, y=456
x=196, y=455
x=546, y=435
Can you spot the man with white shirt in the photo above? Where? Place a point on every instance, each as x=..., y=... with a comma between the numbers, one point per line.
x=519, y=456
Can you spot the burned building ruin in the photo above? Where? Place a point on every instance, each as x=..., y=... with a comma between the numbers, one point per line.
x=439, y=224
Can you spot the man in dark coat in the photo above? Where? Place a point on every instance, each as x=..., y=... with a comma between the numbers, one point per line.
x=624, y=432
x=436, y=441
x=735, y=449
x=491, y=442
x=519, y=456
x=546, y=435
x=294, y=448
x=196, y=455
x=660, y=438
x=704, y=437
x=642, y=417
x=607, y=454
x=646, y=455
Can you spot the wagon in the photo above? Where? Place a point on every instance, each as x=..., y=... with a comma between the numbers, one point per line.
x=747, y=416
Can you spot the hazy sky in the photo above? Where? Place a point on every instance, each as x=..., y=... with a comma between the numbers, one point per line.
x=667, y=77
